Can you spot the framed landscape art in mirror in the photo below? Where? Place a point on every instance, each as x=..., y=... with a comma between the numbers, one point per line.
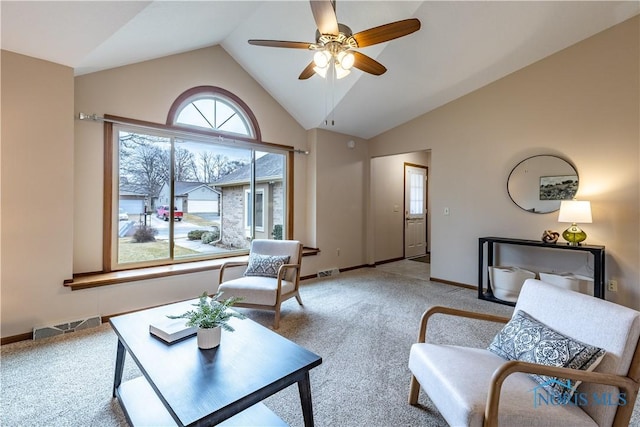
x=538, y=183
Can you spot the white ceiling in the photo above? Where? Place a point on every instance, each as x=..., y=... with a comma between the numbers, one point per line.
x=462, y=45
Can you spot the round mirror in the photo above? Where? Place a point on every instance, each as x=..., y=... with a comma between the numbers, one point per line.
x=539, y=183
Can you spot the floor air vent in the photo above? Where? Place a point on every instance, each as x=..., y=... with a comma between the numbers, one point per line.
x=329, y=272
x=65, y=328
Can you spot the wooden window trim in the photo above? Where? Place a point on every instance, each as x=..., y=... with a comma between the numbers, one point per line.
x=99, y=279
x=110, y=120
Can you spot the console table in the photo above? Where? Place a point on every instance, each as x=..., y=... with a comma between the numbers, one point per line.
x=489, y=242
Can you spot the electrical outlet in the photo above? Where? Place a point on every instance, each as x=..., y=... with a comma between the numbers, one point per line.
x=612, y=286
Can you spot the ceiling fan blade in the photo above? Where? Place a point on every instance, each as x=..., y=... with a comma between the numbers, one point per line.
x=386, y=32
x=307, y=72
x=280, y=43
x=368, y=64
x=324, y=13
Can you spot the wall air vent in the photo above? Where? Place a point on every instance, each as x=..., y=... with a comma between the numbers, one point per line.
x=65, y=328
x=328, y=272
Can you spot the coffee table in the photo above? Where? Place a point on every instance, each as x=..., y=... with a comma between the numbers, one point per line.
x=185, y=386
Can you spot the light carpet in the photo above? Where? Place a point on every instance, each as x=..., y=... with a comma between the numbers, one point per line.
x=362, y=323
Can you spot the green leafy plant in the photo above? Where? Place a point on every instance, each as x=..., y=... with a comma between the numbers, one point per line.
x=277, y=232
x=195, y=234
x=210, y=236
x=211, y=313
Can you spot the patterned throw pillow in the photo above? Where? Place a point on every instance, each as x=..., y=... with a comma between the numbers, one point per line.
x=526, y=339
x=265, y=265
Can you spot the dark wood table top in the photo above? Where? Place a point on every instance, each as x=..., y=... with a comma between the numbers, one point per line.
x=207, y=386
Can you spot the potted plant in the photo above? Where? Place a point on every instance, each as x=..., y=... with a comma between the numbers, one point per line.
x=210, y=316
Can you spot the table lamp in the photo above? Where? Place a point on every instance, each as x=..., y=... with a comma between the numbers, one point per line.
x=574, y=211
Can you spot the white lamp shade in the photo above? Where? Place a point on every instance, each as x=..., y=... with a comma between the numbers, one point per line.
x=575, y=211
x=321, y=58
x=341, y=72
x=321, y=71
x=346, y=59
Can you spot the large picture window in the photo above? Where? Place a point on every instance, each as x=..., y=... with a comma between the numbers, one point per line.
x=182, y=194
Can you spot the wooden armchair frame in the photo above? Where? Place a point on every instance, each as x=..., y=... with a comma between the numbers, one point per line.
x=629, y=384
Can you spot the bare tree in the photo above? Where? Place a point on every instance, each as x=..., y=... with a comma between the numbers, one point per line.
x=211, y=166
x=203, y=166
x=184, y=165
x=144, y=163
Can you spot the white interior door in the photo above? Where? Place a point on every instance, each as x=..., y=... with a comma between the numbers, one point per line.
x=415, y=211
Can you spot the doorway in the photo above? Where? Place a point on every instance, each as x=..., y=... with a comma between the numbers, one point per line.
x=415, y=210
x=387, y=205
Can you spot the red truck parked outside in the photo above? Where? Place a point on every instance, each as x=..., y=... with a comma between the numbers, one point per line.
x=163, y=212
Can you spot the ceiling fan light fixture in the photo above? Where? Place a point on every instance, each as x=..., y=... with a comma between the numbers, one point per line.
x=321, y=71
x=336, y=45
x=321, y=58
x=341, y=72
x=346, y=59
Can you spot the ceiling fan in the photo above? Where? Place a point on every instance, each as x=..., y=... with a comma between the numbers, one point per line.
x=335, y=43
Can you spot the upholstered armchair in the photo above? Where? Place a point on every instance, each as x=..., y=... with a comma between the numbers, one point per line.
x=555, y=340
x=272, y=276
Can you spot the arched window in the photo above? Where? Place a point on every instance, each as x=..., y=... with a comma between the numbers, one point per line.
x=213, y=109
x=201, y=186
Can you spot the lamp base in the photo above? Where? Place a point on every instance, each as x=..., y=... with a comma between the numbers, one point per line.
x=574, y=235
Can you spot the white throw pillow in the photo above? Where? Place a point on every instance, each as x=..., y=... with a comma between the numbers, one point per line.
x=526, y=339
x=265, y=265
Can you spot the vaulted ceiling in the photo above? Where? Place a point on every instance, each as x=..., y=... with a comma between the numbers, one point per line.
x=461, y=46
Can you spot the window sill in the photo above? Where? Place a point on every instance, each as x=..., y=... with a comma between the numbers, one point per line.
x=94, y=280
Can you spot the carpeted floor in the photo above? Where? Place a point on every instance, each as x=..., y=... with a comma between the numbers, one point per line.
x=362, y=323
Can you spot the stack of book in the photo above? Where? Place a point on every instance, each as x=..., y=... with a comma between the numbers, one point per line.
x=171, y=330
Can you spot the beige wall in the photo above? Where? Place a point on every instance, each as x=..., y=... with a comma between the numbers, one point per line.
x=37, y=192
x=582, y=104
x=340, y=184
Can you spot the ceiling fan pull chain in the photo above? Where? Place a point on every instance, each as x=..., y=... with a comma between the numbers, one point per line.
x=326, y=101
x=333, y=92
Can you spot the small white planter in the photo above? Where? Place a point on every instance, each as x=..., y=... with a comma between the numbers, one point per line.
x=209, y=338
x=574, y=282
x=506, y=282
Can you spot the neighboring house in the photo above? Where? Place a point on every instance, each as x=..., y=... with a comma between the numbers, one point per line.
x=191, y=197
x=236, y=212
x=130, y=201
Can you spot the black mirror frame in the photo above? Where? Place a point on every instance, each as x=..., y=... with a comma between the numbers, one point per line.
x=513, y=199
